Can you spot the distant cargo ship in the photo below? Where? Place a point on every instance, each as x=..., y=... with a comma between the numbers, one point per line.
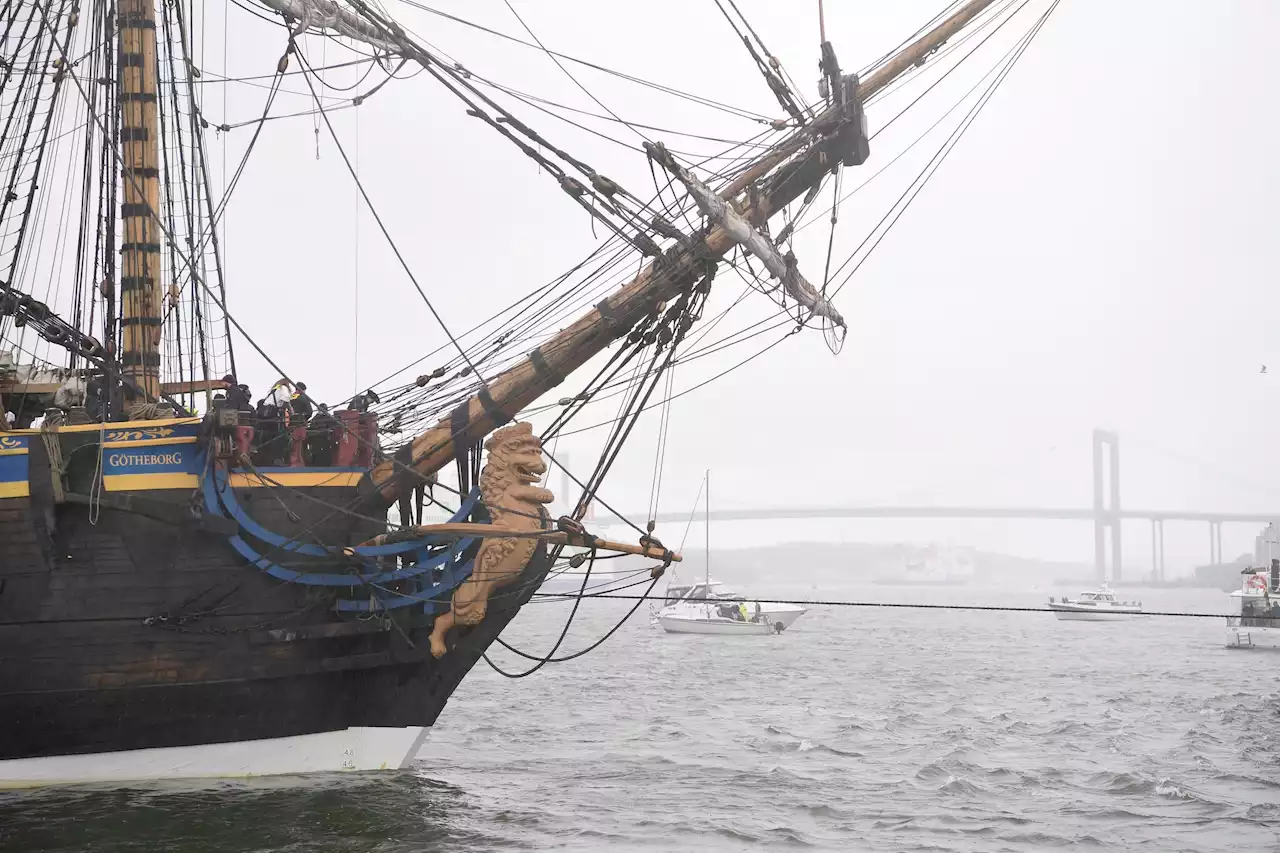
x=934, y=565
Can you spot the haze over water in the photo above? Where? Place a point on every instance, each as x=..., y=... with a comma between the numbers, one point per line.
x=859, y=729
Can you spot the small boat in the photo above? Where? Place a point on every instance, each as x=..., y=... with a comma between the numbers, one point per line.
x=1258, y=625
x=1100, y=605
x=708, y=608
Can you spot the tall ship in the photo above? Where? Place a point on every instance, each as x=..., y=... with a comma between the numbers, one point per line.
x=194, y=583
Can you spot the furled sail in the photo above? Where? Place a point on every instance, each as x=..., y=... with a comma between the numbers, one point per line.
x=330, y=15
x=721, y=213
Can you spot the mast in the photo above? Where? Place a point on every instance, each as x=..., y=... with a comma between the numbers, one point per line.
x=806, y=157
x=140, y=290
x=912, y=54
x=707, y=533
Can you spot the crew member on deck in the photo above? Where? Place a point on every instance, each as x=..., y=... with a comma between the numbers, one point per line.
x=320, y=437
x=361, y=402
x=300, y=403
x=279, y=396
x=269, y=431
x=237, y=395
x=94, y=394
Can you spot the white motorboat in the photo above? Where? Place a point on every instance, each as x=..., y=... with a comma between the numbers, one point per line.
x=708, y=608
x=1099, y=605
x=1258, y=625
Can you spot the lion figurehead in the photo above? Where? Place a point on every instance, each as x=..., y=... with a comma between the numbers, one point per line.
x=518, y=451
x=508, y=485
x=514, y=461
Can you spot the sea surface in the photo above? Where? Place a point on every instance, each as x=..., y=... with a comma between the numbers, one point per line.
x=858, y=729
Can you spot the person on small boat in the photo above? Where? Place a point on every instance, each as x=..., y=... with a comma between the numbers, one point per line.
x=728, y=611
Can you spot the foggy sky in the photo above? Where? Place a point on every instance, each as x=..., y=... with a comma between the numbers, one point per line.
x=1096, y=252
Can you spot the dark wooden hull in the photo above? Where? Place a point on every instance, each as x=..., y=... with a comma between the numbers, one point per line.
x=136, y=632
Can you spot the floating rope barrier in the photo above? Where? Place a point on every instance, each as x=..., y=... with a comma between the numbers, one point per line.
x=898, y=605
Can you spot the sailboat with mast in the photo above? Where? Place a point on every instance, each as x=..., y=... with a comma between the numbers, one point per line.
x=193, y=586
x=708, y=608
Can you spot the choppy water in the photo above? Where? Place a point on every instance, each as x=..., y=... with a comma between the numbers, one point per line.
x=856, y=730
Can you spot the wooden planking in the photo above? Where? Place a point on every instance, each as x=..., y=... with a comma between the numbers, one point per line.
x=193, y=386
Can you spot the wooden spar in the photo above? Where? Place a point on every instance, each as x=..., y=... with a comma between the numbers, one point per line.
x=920, y=48
x=877, y=80
x=140, y=286
x=192, y=386
x=471, y=530
x=519, y=386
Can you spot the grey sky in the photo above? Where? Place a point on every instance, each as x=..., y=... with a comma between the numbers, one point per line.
x=1094, y=253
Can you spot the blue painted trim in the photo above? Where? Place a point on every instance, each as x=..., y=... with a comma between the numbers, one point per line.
x=218, y=495
x=344, y=580
x=430, y=596
x=221, y=499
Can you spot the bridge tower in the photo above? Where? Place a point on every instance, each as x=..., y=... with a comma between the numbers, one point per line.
x=566, y=493
x=569, y=489
x=1106, y=513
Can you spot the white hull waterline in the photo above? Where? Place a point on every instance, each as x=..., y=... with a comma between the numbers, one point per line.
x=683, y=625
x=1069, y=613
x=691, y=618
x=352, y=749
x=1252, y=637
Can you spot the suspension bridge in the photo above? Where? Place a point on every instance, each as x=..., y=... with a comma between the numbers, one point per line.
x=1106, y=514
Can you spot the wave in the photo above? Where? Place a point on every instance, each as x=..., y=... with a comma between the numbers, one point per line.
x=1121, y=783
x=1268, y=813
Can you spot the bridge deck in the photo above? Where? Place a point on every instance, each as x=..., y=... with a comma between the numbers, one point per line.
x=1053, y=514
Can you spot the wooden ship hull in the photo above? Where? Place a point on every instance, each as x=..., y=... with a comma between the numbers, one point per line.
x=167, y=609
x=129, y=645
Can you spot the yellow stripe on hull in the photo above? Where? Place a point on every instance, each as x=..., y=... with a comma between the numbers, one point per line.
x=113, y=427
x=300, y=478
x=153, y=482
x=148, y=482
x=19, y=489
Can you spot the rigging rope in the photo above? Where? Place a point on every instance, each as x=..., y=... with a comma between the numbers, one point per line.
x=355, y=176
x=701, y=101
x=931, y=168
x=770, y=70
x=566, y=71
